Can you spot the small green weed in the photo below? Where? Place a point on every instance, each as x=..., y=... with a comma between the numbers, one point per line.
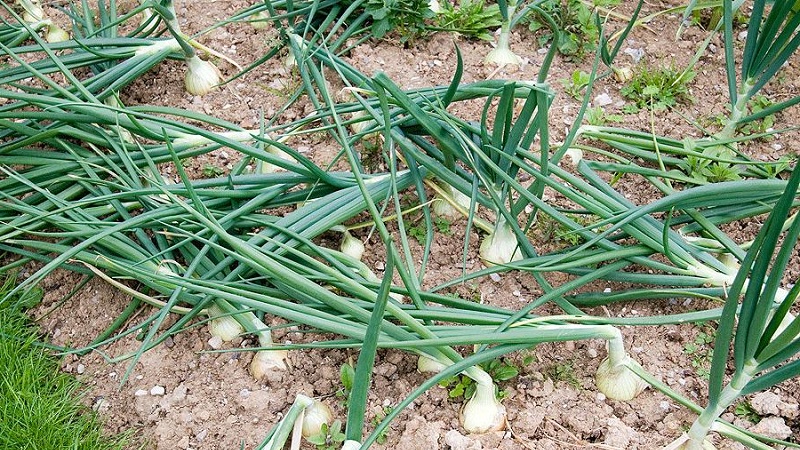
x=329, y=437
x=576, y=23
x=346, y=376
x=598, y=117
x=707, y=170
x=657, y=88
x=463, y=386
x=564, y=372
x=576, y=84
x=406, y=17
x=417, y=230
x=745, y=410
x=211, y=171
x=382, y=437
x=700, y=351
x=472, y=18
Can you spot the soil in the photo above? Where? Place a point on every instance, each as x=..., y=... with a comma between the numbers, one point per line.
x=180, y=396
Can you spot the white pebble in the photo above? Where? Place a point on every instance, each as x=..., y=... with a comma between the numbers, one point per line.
x=157, y=390
x=603, y=100
x=601, y=397
x=80, y=369
x=215, y=342
x=664, y=405
x=140, y=393
x=495, y=277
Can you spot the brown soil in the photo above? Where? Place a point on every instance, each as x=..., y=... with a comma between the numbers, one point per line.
x=209, y=400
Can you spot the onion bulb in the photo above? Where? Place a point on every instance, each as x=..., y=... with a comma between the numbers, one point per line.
x=575, y=155
x=686, y=443
x=443, y=207
x=55, y=34
x=315, y=415
x=483, y=412
x=351, y=445
x=31, y=11
x=223, y=326
x=618, y=382
x=201, y=76
x=429, y=365
x=259, y=20
x=266, y=361
x=501, y=246
x=352, y=246
x=623, y=74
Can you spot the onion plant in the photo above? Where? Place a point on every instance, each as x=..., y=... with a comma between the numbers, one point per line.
x=772, y=38
x=764, y=334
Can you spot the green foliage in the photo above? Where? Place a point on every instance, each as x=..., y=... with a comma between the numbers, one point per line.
x=463, y=386
x=211, y=171
x=472, y=18
x=745, y=410
x=657, y=88
x=576, y=84
x=329, y=437
x=382, y=436
x=700, y=350
x=346, y=376
x=40, y=404
x=406, y=17
x=417, y=230
x=597, y=116
x=564, y=372
x=576, y=22
x=707, y=170
x=757, y=104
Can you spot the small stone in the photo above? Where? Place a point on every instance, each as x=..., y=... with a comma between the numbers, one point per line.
x=244, y=393
x=603, y=100
x=184, y=442
x=591, y=353
x=215, y=342
x=201, y=435
x=773, y=427
x=169, y=342
x=495, y=277
x=157, y=390
x=80, y=369
x=179, y=393
x=140, y=393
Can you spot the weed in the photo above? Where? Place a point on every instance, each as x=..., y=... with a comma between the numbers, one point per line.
x=406, y=17
x=346, y=376
x=700, y=351
x=417, y=230
x=576, y=23
x=706, y=170
x=472, y=18
x=329, y=437
x=657, y=88
x=576, y=84
x=463, y=386
x=382, y=436
x=564, y=372
x=597, y=116
x=757, y=104
x=745, y=410
x=211, y=171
